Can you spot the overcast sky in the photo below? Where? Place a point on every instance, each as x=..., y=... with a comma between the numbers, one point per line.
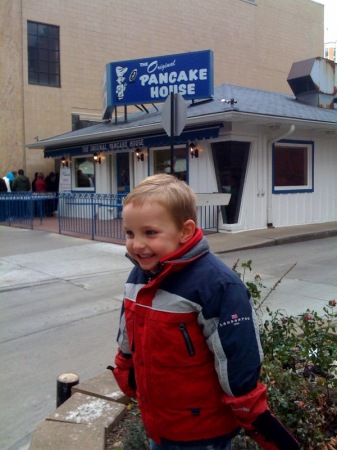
x=330, y=19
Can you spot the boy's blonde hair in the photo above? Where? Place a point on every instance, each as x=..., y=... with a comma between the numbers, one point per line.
x=174, y=195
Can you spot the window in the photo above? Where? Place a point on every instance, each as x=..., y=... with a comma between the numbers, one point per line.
x=230, y=163
x=162, y=162
x=123, y=172
x=43, y=54
x=293, y=166
x=84, y=174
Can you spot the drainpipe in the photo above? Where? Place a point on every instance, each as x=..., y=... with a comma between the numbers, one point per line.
x=269, y=173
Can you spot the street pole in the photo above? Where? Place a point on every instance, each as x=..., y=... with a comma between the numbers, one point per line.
x=172, y=134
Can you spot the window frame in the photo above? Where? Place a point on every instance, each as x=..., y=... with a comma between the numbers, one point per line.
x=43, y=55
x=181, y=152
x=295, y=189
x=74, y=169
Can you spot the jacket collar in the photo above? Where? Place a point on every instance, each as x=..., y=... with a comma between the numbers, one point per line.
x=196, y=247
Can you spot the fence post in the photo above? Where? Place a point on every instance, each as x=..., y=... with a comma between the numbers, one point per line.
x=59, y=207
x=93, y=218
x=31, y=210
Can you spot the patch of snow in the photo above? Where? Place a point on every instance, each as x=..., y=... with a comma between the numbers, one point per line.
x=88, y=411
x=114, y=395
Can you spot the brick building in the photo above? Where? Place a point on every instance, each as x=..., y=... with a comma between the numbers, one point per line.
x=53, y=55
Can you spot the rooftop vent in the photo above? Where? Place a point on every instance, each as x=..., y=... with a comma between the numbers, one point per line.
x=314, y=81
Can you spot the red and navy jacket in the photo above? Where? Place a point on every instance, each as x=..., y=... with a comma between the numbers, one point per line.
x=190, y=338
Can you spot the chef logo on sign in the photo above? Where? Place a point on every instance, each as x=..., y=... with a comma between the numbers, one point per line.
x=121, y=84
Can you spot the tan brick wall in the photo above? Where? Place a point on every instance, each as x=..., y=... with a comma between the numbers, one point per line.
x=254, y=45
x=11, y=92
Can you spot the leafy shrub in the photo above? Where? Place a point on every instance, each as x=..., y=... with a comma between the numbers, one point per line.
x=299, y=369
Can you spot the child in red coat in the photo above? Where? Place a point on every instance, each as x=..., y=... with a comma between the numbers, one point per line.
x=189, y=346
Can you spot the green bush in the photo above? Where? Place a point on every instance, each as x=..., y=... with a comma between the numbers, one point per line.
x=299, y=369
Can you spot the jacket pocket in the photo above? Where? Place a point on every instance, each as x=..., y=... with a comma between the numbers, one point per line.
x=187, y=339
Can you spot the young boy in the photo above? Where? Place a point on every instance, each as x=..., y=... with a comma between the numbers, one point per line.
x=189, y=346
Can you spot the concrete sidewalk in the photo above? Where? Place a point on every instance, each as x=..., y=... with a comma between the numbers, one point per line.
x=229, y=242
x=224, y=242
x=69, y=426
x=32, y=258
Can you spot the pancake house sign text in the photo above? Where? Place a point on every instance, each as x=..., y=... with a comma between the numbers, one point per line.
x=152, y=80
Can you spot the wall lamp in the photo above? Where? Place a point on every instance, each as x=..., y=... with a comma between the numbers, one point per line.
x=139, y=154
x=194, y=151
x=97, y=158
x=64, y=162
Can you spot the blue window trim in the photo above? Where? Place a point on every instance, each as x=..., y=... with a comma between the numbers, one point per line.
x=297, y=189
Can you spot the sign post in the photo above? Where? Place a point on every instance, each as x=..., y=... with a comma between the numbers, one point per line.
x=174, y=117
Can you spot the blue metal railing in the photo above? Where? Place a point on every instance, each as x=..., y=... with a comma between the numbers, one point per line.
x=22, y=208
x=91, y=214
x=94, y=215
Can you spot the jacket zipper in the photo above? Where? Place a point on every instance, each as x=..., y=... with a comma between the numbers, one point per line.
x=187, y=339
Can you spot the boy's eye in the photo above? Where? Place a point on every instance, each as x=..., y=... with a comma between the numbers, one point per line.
x=150, y=232
x=129, y=234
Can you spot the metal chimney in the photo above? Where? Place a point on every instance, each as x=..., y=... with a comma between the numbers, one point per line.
x=314, y=81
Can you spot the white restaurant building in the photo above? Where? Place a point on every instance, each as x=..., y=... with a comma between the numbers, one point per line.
x=275, y=153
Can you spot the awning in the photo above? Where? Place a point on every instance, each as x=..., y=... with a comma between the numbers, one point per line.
x=147, y=141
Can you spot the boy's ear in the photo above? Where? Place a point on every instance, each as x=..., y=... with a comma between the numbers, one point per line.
x=187, y=231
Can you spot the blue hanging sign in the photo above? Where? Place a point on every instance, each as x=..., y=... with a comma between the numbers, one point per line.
x=151, y=80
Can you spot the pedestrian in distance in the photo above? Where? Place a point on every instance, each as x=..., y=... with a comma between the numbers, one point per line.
x=52, y=182
x=3, y=185
x=21, y=183
x=9, y=178
x=40, y=184
x=34, y=181
x=189, y=345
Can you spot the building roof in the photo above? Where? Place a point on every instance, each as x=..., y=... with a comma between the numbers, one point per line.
x=230, y=104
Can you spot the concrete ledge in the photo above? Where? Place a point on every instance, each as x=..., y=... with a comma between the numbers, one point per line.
x=102, y=386
x=83, y=421
x=51, y=435
x=88, y=410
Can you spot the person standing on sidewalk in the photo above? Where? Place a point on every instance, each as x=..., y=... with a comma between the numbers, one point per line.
x=3, y=185
x=9, y=178
x=40, y=184
x=21, y=183
x=189, y=345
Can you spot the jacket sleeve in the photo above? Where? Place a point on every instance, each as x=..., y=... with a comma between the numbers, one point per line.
x=232, y=332
x=247, y=408
x=124, y=374
x=234, y=339
x=124, y=371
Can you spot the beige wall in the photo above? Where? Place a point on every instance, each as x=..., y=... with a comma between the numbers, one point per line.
x=11, y=88
x=254, y=45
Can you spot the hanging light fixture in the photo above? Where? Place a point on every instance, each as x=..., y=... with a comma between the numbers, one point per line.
x=139, y=154
x=97, y=158
x=194, y=151
x=64, y=161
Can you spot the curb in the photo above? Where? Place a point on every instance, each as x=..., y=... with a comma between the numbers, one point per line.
x=271, y=241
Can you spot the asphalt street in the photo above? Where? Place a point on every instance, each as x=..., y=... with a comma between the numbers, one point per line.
x=60, y=299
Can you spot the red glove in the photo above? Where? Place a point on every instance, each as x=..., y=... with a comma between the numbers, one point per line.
x=124, y=374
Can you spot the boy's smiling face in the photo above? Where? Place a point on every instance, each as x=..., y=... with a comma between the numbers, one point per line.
x=151, y=233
